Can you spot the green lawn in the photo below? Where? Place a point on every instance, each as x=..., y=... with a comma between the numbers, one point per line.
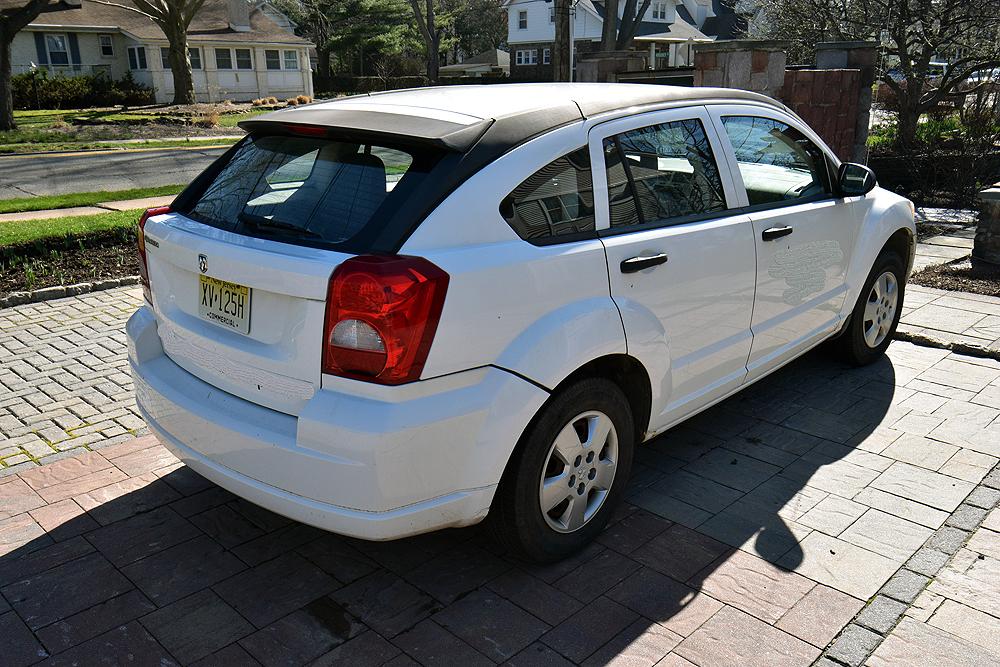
x=35, y=230
x=232, y=119
x=83, y=198
x=43, y=146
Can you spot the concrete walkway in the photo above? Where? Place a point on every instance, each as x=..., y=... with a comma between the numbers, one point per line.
x=101, y=207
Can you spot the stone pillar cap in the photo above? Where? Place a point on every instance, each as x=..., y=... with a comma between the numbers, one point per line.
x=743, y=45
x=857, y=44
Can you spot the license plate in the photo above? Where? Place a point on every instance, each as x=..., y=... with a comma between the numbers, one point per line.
x=224, y=303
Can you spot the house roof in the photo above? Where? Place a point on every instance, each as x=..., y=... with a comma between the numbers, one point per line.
x=492, y=57
x=727, y=23
x=211, y=24
x=678, y=30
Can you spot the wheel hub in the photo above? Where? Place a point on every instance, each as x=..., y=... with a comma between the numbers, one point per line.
x=880, y=309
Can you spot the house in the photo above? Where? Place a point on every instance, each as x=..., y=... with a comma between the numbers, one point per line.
x=239, y=49
x=665, y=38
x=493, y=62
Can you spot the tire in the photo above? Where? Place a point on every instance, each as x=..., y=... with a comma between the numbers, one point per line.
x=861, y=343
x=582, y=409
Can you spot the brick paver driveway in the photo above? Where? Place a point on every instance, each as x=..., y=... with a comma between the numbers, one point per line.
x=753, y=534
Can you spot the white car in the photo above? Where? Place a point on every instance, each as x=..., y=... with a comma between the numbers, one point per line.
x=394, y=313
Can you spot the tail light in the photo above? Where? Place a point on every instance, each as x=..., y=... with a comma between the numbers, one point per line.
x=141, y=242
x=381, y=315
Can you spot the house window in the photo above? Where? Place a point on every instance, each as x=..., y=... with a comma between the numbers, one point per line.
x=137, y=57
x=195, y=56
x=522, y=20
x=243, y=60
x=526, y=57
x=660, y=10
x=291, y=59
x=56, y=46
x=107, y=45
x=165, y=57
x=546, y=56
x=223, y=59
x=552, y=14
x=272, y=59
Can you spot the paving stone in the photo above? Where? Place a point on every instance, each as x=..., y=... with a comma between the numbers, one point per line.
x=641, y=643
x=233, y=655
x=456, y=572
x=854, y=645
x=94, y=621
x=142, y=535
x=597, y=575
x=17, y=497
x=920, y=451
x=732, y=637
x=432, y=645
x=840, y=477
x=196, y=626
x=366, y=650
x=984, y=497
x=303, y=635
x=199, y=501
x=881, y=614
x=20, y=648
x=227, y=526
x=832, y=515
x=927, y=561
x=490, y=624
x=183, y=569
x=820, y=615
x=668, y=507
x=673, y=605
x=903, y=508
x=680, y=552
x=923, y=486
x=544, y=601
x=986, y=542
x=275, y=543
x=126, y=498
x=584, y=632
x=841, y=565
x=65, y=590
x=130, y=640
x=538, y=655
x=969, y=624
x=754, y=586
x=633, y=531
x=275, y=588
x=886, y=534
x=733, y=470
x=747, y=526
x=24, y=564
x=913, y=643
x=905, y=586
x=697, y=490
x=21, y=533
x=336, y=557
x=63, y=520
x=948, y=539
x=386, y=603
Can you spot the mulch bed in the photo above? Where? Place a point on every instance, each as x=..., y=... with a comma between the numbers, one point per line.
x=68, y=261
x=960, y=278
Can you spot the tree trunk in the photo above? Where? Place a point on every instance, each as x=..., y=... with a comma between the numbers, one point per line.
x=906, y=133
x=609, y=29
x=180, y=66
x=6, y=98
x=560, y=48
x=433, y=59
x=986, y=247
x=323, y=63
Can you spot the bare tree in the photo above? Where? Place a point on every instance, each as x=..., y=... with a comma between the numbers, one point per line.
x=561, y=64
x=173, y=17
x=618, y=35
x=431, y=35
x=14, y=18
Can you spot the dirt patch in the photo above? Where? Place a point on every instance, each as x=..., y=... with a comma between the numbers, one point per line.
x=68, y=261
x=959, y=278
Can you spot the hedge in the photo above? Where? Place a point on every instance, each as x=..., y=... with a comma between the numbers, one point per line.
x=40, y=90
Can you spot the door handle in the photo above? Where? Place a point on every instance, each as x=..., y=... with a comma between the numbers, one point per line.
x=775, y=233
x=633, y=264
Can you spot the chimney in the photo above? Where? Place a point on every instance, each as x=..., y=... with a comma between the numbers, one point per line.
x=239, y=15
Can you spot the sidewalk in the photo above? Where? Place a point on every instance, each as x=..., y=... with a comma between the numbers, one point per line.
x=101, y=207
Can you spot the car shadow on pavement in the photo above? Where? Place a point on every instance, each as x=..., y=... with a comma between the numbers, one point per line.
x=169, y=568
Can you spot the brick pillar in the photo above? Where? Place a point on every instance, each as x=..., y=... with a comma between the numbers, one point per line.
x=860, y=56
x=748, y=64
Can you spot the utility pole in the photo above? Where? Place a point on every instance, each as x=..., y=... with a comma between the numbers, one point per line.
x=562, y=48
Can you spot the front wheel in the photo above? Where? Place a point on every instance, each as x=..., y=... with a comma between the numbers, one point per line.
x=876, y=314
x=568, y=474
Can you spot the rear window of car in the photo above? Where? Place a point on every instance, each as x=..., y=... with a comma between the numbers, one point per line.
x=309, y=190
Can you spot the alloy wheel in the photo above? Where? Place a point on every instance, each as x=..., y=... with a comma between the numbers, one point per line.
x=880, y=309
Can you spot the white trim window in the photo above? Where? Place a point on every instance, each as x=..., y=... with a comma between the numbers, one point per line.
x=194, y=53
x=137, y=58
x=660, y=11
x=546, y=56
x=223, y=59
x=526, y=57
x=107, y=44
x=552, y=14
x=291, y=59
x=522, y=20
x=244, y=59
x=58, y=49
x=272, y=59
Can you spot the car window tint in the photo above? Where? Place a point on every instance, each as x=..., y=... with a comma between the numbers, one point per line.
x=311, y=188
x=662, y=173
x=555, y=201
x=777, y=162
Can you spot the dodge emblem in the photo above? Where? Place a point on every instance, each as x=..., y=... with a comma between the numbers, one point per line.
x=203, y=263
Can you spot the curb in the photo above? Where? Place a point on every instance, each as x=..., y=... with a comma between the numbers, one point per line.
x=958, y=347
x=60, y=291
x=138, y=148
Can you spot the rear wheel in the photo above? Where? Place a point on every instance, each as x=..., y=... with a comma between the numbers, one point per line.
x=568, y=473
x=876, y=314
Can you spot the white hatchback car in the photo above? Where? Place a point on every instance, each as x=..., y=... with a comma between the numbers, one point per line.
x=394, y=313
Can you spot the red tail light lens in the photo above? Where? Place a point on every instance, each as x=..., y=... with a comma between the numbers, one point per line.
x=381, y=315
x=141, y=243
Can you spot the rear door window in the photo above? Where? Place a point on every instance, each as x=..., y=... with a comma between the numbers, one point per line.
x=309, y=189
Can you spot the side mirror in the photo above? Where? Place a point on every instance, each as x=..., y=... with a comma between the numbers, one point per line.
x=855, y=180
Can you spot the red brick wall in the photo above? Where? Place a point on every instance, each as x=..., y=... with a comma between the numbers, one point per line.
x=827, y=99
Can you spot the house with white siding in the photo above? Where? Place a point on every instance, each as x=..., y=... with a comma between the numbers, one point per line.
x=665, y=38
x=239, y=49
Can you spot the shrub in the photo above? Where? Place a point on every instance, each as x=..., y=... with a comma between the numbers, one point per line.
x=40, y=90
x=304, y=99
x=260, y=101
x=292, y=101
x=271, y=100
x=209, y=119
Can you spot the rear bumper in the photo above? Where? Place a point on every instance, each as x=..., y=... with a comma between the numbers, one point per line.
x=395, y=462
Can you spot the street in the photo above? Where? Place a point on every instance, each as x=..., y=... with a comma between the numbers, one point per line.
x=62, y=173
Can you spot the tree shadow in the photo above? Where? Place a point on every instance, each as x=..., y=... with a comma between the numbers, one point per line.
x=173, y=569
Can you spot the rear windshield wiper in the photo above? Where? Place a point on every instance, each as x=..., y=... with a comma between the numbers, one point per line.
x=259, y=222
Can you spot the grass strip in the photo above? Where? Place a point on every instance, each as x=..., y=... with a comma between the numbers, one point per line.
x=28, y=231
x=47, y=202
x=44, y=147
